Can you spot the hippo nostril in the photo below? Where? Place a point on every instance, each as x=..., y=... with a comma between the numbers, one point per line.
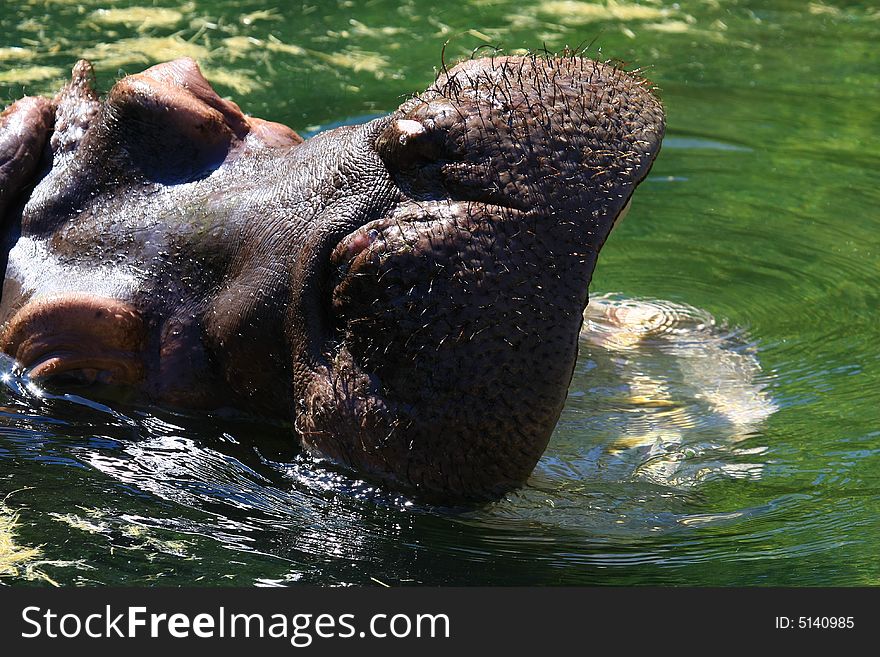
x=406, y=142
x=348, y=251
x=352, y=246
x=408, y=129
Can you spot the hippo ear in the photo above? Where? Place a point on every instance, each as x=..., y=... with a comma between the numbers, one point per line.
x=24, y=128
x=76, y=107
x=170, y=124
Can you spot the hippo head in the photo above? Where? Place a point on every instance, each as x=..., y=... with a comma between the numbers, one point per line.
x=407, y=292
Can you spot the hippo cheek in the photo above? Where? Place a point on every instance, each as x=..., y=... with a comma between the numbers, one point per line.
x=78, y=338
x=436, y=315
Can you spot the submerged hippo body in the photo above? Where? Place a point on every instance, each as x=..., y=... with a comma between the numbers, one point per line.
x=407, y=292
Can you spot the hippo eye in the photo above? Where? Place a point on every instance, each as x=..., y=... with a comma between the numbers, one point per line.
x=86, y=377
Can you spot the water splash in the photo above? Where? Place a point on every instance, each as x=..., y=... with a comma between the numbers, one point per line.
x=663, y=397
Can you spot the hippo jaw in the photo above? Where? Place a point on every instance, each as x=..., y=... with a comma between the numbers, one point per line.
x=453, y=318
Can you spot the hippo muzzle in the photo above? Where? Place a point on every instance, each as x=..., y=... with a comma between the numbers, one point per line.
x=407, y=292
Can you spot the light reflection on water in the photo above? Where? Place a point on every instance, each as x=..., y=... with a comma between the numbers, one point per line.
x=671, y=394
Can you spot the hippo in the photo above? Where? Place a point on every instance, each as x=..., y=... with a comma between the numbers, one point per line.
x=405, y=295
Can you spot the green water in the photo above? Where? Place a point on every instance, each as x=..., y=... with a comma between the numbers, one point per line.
x=741, y=447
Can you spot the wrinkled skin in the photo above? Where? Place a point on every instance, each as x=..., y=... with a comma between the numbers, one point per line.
x=407, y=292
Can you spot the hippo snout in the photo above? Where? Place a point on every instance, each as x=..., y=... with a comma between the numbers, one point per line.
x=408, y=292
